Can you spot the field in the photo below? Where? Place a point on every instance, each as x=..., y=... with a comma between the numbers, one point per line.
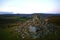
x=9, y=23
x=7, y=26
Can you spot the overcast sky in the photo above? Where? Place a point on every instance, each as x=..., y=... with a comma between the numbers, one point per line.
x=30, y=6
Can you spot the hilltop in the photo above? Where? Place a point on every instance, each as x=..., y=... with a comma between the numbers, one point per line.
x=10, y=26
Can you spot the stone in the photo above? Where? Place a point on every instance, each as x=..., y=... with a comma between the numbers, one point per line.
x=35, y=28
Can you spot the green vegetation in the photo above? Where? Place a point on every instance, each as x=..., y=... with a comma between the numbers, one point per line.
x=9, y=21
x=8, y=34
x=12, y=19
x=8, y=24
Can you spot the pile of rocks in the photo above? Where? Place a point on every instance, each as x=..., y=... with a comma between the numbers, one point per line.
x=36, y=27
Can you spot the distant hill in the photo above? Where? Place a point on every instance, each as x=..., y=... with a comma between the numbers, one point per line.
x=1, y=13
x=26, y=15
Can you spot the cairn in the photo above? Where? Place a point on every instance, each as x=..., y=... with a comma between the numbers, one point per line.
x=36, y=27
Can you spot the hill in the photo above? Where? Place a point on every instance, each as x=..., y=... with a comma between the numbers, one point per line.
x=28, y=15
x=54, y=19
x=10, y=22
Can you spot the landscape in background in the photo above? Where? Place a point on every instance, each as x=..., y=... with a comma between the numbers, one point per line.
x=21, y=26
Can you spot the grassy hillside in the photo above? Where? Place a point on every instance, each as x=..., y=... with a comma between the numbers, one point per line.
x=9, y=23
x=55, y=20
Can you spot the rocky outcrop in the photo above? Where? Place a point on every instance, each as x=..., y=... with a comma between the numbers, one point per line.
x=36, y=27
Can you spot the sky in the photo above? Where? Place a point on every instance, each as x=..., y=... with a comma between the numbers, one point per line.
x=30, y=6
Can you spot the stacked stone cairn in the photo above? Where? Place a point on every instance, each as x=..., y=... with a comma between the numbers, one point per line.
x=36, y=27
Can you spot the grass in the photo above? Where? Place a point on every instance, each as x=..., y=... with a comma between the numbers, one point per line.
x=9, y=33
x=8, y=25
